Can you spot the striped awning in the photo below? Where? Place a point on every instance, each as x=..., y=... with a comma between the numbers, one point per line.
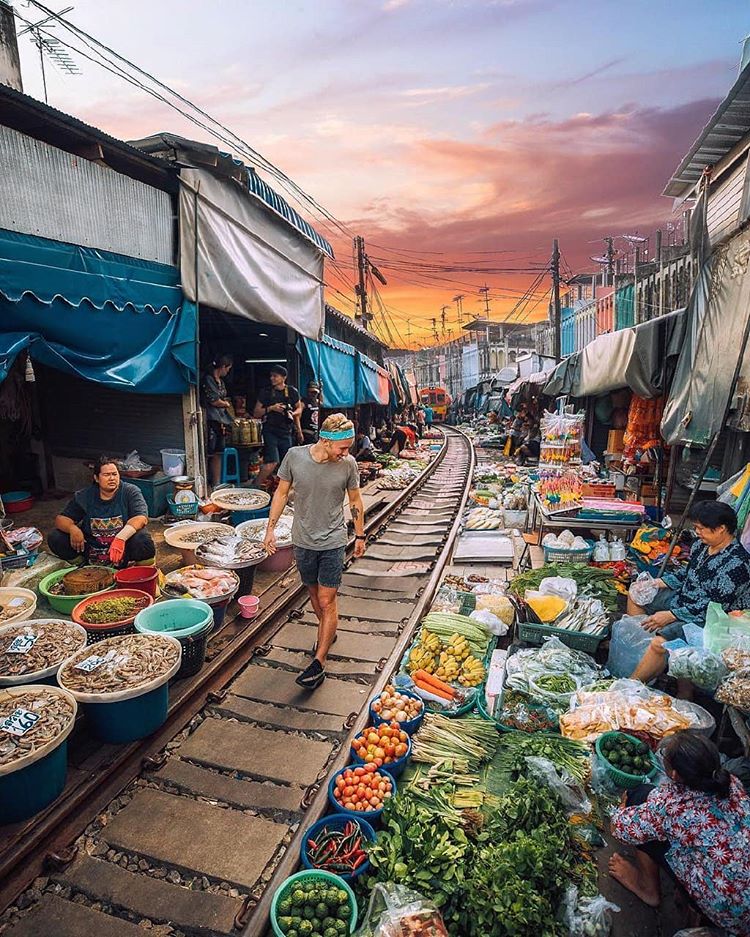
x=265, y=193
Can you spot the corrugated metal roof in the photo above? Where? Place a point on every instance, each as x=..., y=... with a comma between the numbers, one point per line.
x=729, y=124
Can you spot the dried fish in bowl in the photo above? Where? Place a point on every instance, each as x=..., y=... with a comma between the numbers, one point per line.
x=32, y=718
x=16, y=604
x=37, y=645
x=189, y=534
x=230, y=552
x=256, y=530
x=240, y=499
x=120, y=663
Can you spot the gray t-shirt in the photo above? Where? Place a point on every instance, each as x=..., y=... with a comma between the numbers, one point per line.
x=319, y=492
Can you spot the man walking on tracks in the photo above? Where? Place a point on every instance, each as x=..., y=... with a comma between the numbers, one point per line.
x=321, y=476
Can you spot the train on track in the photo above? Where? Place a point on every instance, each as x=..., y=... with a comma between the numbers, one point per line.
x=438, y=399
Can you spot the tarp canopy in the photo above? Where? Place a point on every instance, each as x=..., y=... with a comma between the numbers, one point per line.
x=333, y=364
x=631, y=358
x=250, y=262
x=104, y=317
x=411, y=382
x=716, y=320
x=373, y=385
x=399, y=390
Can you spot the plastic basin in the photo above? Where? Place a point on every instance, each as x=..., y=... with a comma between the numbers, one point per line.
x=130, y=719
x=173, y=461
x=29, y=790
x=179, y=618
x=394, y=768
x=17, y=501
x=282, y=559
x=107, y=628
x=336, y=821
x=139, y=577
x=65, y=603
x=411, y=725
x=239, y=517
x=372, y=816
x=317, y=876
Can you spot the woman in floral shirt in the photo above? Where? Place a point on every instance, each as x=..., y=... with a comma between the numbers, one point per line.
x=697, y=826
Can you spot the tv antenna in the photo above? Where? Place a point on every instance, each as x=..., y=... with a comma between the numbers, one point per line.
x=50, y=46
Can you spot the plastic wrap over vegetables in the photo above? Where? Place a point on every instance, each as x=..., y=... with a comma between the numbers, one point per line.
x=704, y=669
x=395, y=911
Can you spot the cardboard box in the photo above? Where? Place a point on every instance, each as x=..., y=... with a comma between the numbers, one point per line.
x=616, y=440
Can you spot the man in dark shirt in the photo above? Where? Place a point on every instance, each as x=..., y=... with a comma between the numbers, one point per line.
x=280, y=407
x=310, y=419
x=104, y=523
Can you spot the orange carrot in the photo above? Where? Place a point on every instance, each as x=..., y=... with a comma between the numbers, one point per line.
x=421, y=685
x=432, y=681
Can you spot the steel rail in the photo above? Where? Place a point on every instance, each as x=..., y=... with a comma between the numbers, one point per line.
x=258, y=924
x=44, y=841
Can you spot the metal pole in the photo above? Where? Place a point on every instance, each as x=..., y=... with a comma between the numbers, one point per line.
x=555, y=267
x=201, y=455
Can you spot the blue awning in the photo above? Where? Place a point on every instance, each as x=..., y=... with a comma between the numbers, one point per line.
x=333, y=364
x=104, y=317
x=373, y=384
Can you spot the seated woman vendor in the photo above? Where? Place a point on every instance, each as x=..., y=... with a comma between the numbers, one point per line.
x=105, y=523
x=718, y=571
x=696, y=826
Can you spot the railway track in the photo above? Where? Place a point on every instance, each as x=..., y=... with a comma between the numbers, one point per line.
x=189, y=831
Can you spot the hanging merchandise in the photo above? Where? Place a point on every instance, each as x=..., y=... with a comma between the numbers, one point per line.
x=561, y=439
x=642, y=432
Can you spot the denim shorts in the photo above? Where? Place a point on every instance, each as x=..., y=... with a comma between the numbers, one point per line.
x=320, y=567
x=275, y=445
x=663, y=603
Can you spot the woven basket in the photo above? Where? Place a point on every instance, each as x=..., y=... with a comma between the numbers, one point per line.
x=87, y=579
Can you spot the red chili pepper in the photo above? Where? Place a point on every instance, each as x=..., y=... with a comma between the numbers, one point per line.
x=359, y=860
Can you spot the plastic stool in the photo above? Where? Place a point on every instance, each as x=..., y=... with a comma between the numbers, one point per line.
x=230, y=466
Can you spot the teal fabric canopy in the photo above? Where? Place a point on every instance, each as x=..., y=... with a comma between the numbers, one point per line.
x=110, y=319
x=333, y=364
x=373, y=385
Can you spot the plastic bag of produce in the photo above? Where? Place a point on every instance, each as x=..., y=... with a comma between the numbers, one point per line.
x=499, y=605
x=571, y=793
x=724, y=628
x=643, y=590
x=703, y=668
x=700, y=932
x=395, y=911
x=560, y=586
x=488, y=618
x=628, y=645
x=585, y=916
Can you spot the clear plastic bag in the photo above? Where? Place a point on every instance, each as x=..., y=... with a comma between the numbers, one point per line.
x=643, y=590
x=493, y=623
x=395, y=911
x=571, y=794
x=586, y=916
x=724, y=629
x=700, y=932
x=628, y=645
x=560, y=586
x=704, y=669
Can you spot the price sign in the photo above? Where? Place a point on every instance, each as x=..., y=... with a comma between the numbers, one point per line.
x=93, y=661
x=22, y=643
x=19, y=722
x=14, y=603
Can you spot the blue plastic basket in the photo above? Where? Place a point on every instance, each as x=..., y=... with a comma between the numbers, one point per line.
x=411, y=725
x=394, y=768
x=190, y=509
x=372, y=816
x=337, y=821
x=239, y=517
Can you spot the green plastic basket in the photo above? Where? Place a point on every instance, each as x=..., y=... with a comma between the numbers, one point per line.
x=500, y=726
x=309, y=876
x=533, y=633
x=621, y=778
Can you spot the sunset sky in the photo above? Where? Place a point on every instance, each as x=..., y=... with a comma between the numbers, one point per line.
x=439, y=130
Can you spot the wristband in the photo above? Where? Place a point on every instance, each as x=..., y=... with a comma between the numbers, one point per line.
x=127, y=532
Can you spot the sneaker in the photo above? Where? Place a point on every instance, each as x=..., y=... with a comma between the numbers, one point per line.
x=312, y=676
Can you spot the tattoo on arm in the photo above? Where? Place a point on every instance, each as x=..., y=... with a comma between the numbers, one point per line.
x=355, y=514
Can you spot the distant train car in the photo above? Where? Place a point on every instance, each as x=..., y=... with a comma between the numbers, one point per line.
x=437, y=398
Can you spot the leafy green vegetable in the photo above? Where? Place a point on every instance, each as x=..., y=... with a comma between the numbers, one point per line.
x=591, y=580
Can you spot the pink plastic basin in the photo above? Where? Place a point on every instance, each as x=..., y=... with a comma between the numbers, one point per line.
x=281, y=560
x=248, y=605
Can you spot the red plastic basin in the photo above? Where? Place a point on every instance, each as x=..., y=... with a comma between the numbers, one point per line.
x=138, y=577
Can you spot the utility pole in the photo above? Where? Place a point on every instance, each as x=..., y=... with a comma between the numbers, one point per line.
x=610, y=261
x=555, y=269
x=486, y=290
x=442, y=318
x=459, y=301
x=364, y=265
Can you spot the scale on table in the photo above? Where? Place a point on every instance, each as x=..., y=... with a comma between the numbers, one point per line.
x=488, y=546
